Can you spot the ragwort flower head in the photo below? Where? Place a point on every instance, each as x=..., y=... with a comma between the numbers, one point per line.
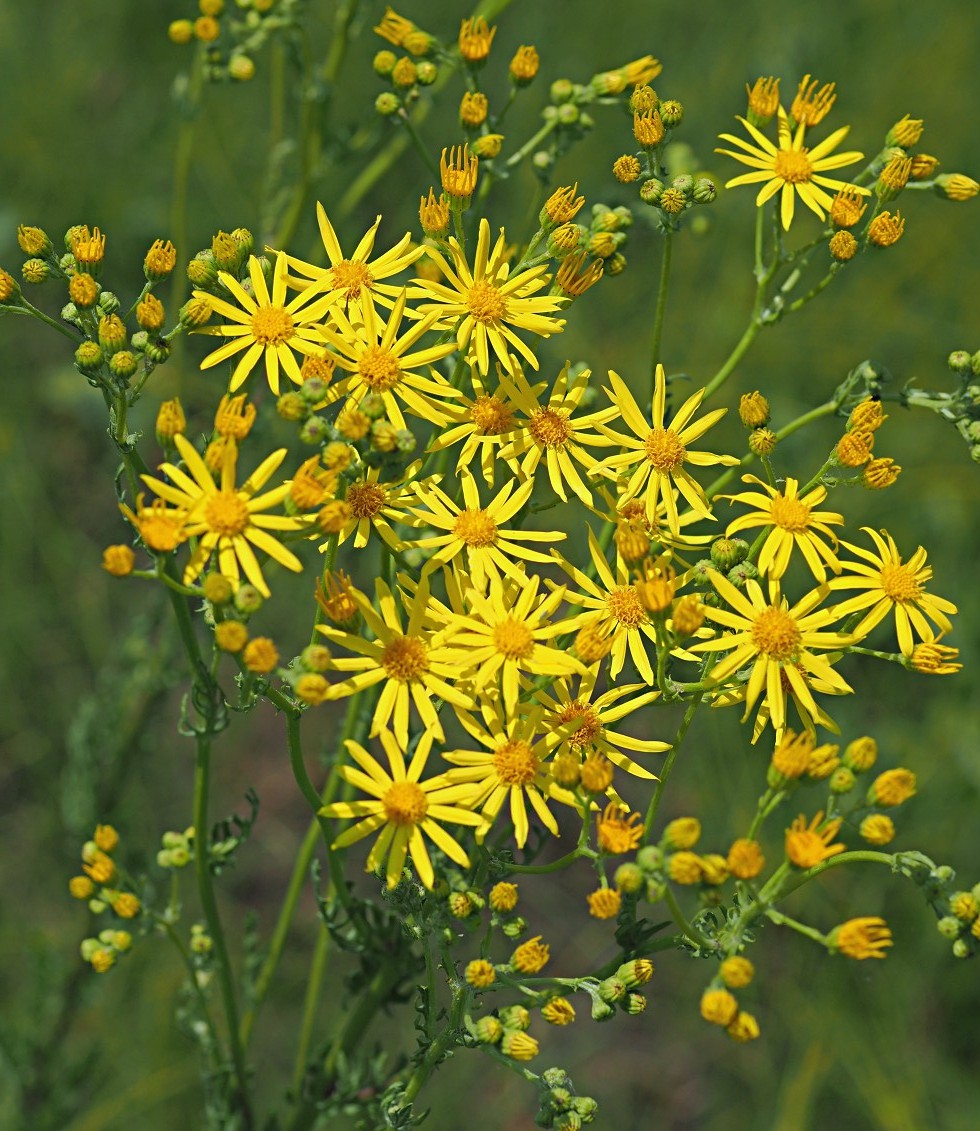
x=889, y=584
x=348, y=278
x=791, y=168
x=486, y=305
x=226, y=519
x=776, y=641
x=403, y=808
x=265, y=325
x=660, y=450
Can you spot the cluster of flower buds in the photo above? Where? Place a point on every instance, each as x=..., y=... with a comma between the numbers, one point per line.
x=560, y=1108
x=104, y=889
x=231, y=36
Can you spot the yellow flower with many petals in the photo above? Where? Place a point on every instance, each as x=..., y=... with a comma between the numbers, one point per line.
x=581, y=721
x=264, y=324
x=791, y=168
x=778, y=641
x=487, y=304
x=349, y=278
x=889, y=584
x=661, y=450
x=381, y=362
x=616, y=600
x=484, y=422
x=369, y=503
x=549, y=433
x=227, y=519
x=511, y=767
x=794, y=522
x=478, y=530
x=403, y=807
x=413, y=662
x=507, y=632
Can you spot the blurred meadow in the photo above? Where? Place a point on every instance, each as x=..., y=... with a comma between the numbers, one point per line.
x=91, y=675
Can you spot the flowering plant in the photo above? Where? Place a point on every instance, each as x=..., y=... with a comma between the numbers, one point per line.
x=523, y=579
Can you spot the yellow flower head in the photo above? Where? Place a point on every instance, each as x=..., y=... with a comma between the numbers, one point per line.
x=531, y=956
x=486, y=304
x=618, y=833
x=405, y=809
x=867, y=937
x=475, y=39
x=660, y=450
x=604, y=903
x=812, y=105
x=791, y=168
x=809, y=844
x=763, y=100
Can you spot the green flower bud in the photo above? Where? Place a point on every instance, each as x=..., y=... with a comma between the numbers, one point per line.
x=387, y=103
x=949, y=927
x=671, y=113
x=842, y=780
x=384, y=63
x=405, y=441
x=960, y=362
x=202, y=270
x=35, y=270
x=514, y=928
x=426, y=72
x=629, y=878
x=123, y=364
x=635, y=1004
x=88, y=357
x=556, y=1078
x=314, y=431
x=650, y=191
x=586, y=1107
x=373, y=406
x=313, y=390
x=743, y=572
x=515, y=1017
x=601, y=1010
x=158, y=351
x=561, y=91
x=650, y=858
x=612, y=989
x=684, y=184
x=962, y=949
x=568, y=114
x=705, y=191
x=248, y=600
x=108, y=303
x=726, y=553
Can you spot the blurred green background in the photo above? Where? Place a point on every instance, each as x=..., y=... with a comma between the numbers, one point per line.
x=88, y=714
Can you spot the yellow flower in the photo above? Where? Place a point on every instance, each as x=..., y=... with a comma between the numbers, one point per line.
x=794, y=523
x=661, y=450
x=414, y=663
x=486, y=304
x=265, y=325
x=349, y=278
x=548, y=433
x=511, y=768
x=893, y=787
x=780, y=643
x=402, y=807
x=934, y=658
x=604, y=903
x=811, y=106
x=381, y=362
x=477, y=530
x=484, y=422
x=809, y=844
x=480, y=974
x=889, y=584
x=558, y=1011
x=617, y=833
x=719, y=1007
x=791, y=168
x=745, y=859
x=503, y=896
x=370, y=503
x=508, y=632
x=531, y=956
x=736, y=972
x=581, y=719
x=867, y=937
x=228, y=519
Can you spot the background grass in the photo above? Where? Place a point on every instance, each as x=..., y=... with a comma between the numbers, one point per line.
x=89, y=708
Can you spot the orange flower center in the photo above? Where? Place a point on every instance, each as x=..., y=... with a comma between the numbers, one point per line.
x=899, y=583
x=776, y=634
x=793, y=165
x=588, y=718
x=515, y=763
x=624, y=604
x=550, y=428
x=485, y=302
x=405, y=803
x=513, y=639
x=790, y=514
x=272, y=325
x=350, y=277
x=664, y=449
x=491, y=416
x=475, y=528
x=405, y=658
x=379, y=368
x=365, y=499
x=226, y=513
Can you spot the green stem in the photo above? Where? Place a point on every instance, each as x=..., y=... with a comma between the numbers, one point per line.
x=182, y=167
x=740, y=350
x=669, y=761
x=782, y=920
x=681, y=920
x=209, y=904
x=554, y=866
x=30, y=309
x=658, y=317
x=532, y=143
x=441, y=1045
x=310, y=1002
